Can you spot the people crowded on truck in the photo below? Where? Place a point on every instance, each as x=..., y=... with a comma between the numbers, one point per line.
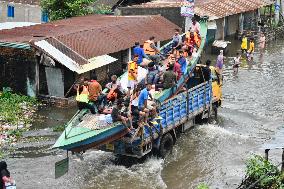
x=141, y=54
x=132, y=74
x=115, y=89
x=151, y=50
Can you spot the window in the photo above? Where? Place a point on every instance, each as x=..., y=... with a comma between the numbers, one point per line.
x=11, y=11
x=44, y=16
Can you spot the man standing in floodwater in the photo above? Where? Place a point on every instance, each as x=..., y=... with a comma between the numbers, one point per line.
x=244, y=45
x=262, y=43
x=220, y=63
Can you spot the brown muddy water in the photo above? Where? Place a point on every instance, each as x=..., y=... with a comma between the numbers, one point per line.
x=215, y=154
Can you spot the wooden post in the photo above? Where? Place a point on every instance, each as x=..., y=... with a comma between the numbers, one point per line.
x=282, y=166
x=266, y=154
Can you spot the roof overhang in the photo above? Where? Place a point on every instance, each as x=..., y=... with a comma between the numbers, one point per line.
x=65, y=60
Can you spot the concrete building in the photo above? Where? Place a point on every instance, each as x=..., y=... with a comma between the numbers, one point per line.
x=21, y=11
x=45, y=60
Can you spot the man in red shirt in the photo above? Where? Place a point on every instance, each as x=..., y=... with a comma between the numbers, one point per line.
x=177, y=69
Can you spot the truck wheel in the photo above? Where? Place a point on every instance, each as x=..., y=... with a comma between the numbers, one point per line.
x=166, y=145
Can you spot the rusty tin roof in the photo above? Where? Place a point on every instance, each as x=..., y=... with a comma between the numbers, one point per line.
x=86, y=37
x=213, y=8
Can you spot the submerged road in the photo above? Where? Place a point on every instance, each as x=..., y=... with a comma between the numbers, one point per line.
x=252, y=112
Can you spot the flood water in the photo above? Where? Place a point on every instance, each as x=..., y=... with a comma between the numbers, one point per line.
x=252, y=111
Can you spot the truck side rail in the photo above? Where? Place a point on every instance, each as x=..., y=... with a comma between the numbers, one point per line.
x=177, y=110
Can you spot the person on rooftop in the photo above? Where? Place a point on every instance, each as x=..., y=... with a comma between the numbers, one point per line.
x=141, y=54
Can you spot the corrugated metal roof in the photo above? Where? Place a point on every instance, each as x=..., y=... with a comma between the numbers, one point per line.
x=82, y=38
x=219, y=9
x=212, y=8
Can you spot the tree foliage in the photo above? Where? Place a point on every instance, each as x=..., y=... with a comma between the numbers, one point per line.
x=61, y=9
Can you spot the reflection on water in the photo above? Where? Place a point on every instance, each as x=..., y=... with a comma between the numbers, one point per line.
x=211, y=153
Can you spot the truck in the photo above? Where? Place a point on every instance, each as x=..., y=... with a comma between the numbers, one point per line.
x=192, y=98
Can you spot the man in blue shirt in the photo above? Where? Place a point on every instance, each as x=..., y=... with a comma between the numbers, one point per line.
x=141, y=54
x=143, y=97
x=143, y=102
x=182, y=62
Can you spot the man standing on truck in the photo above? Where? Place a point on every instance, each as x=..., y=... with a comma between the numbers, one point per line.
x=132, y=74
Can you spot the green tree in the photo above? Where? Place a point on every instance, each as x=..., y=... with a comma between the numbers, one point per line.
x=61, y=9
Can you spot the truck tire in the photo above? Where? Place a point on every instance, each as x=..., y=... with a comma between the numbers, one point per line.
x=166, y=145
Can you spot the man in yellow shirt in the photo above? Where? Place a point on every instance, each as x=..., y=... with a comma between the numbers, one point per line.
x=132, y=73
x=244, y=45
x=251, y=50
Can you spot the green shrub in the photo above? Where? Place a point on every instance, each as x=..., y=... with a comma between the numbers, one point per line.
x=58, y=128
x=269, y=176
x=202, y=186
x=13, y=107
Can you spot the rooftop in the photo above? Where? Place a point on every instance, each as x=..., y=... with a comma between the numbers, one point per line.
x=213, y=8
x=82, y=38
